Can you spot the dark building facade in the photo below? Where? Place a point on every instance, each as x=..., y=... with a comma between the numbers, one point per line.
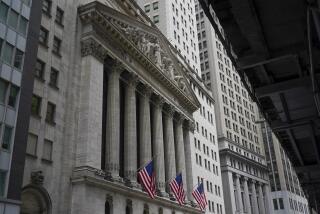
x=19, y=29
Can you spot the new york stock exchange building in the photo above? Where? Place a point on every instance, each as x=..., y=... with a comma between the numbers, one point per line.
x=123, y=100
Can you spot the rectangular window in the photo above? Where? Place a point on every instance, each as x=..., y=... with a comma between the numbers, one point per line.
x=46, y=6
x=6, y=141
x=59, y=16
x=43, y=36
x=155, y=5
x=8, y=53
x=23, y=26
x=13, y=19
x=2, y=182
x=54, y=74
x=56, y=45
x=13, y=96
x=3, y=12
x=147, y=8
x=281, y=203
x=36, y=105
x=18, y=59
x=32, y=144
x=39, y=69
x=156, y=19
x=275, y=204
x=47, y=150
x=3, y=91
x=51, y=108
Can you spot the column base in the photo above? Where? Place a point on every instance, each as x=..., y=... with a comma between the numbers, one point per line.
x=113, y=177
x=162, y=193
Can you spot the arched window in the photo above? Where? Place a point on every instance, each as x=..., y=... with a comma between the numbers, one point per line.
x=35, y=200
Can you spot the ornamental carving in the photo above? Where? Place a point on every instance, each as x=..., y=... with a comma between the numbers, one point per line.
x=152, y=47
x=92, y=47
x=37, y=178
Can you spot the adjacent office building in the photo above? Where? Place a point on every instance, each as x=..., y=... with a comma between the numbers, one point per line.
x=109, y=96
x=19, y=26
x=243, y=166
x=176, y=20
x=286, y=193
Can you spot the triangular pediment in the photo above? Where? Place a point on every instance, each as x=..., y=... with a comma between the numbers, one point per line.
x=153, y=44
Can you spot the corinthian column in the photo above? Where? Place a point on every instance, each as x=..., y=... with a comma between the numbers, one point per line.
x=238, y=188
x=158, y=145
x=130, y=131
x=145, y=126
x=254, y=197
x=187, y=148
x=246, y=196
x=261, y=201
x=113, y=121
x=170, y=161
x=179, y=147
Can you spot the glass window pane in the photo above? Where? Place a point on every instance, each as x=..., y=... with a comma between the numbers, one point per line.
x=47, y=150
x=3, y=91
x=7, y=53
x=23, y=26
x=13, y=19
x=18, y=58
x=3, y=12
x=39, y=69
x=35, y=105
x=50, y=112
x=54, y=77
x=7, y=138
x=2, y=182
x=32, y=144
x=13, y=96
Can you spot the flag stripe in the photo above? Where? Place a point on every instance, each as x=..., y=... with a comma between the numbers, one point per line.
x=148, y=180
x=176, y=187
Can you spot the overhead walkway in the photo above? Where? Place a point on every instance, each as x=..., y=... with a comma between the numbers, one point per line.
x=276, y=44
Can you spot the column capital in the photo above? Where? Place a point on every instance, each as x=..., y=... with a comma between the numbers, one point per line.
x=238, y=176
x=146, y=91
x=253, y=181
x=180, y=118
x=115, y=67
x=245, y=179
x=190, y=125
x=133, y=80
x=170, y=110
x=159, y=101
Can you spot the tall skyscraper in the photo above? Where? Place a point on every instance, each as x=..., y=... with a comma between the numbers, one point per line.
x=176, y=20
x=109, y=97
x=287, y=195
x=243, y=165
x=19, y=27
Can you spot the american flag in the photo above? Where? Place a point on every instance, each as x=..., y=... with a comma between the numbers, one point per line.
x=198, y=194
x=147, y=178
x=176, y=186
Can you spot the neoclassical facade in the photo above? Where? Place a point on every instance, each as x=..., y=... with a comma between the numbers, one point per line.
x=122, y=100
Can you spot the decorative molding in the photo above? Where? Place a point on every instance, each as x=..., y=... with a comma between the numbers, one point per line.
x=37, y=178
x=93, y=48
